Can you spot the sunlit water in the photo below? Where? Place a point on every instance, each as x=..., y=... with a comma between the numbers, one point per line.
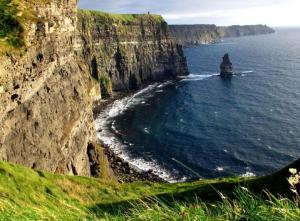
x=204, y=126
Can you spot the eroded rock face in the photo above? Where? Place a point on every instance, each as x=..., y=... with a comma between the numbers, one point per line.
x=226, y=66
x=46, y=117
x=131, y=52
x=195, y=34
x=47, y=93
x=207, y=34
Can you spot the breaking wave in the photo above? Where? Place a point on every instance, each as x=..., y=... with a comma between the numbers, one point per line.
x=106, y=132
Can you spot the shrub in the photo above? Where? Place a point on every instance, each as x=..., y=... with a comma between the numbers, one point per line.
x=11, y=29
x=106, y=86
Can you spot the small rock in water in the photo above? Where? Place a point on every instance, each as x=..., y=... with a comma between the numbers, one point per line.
x=226, y=66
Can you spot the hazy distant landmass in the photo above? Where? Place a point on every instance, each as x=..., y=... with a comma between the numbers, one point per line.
x=207, y=34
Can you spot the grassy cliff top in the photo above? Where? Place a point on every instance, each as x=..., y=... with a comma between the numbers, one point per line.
x=120, y=18
x=15, y=16
x=27, y=194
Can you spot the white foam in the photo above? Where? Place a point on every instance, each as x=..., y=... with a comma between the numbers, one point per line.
x=197, y=77
x=220, y=169
x=248, y=174
x=119, y=106
x=247, y=72
x=146, y=130
x=106, y=130
x=164, y=84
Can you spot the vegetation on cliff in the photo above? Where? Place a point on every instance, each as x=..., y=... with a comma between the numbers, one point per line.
x=26, y=194
x=129, y=50
x=10, y=31
x=206, y=34
x=15, y=15
x=118, y=18
x=106, y=86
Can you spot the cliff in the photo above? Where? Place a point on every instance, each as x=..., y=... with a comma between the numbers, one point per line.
x=207, y=34
x=128, y=51
x=246, y=30
x=50, y=71
x=195, y=34
x=46, y=102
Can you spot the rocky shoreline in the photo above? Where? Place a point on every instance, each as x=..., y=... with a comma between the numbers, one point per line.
x=125, y=173
x=123, y=170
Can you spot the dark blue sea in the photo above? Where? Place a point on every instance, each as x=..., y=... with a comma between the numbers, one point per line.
x=204, y=126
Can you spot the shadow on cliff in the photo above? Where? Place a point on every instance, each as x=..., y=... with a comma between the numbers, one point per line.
x=209, y=191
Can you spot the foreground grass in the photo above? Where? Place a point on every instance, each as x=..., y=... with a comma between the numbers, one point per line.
x=26, y=194
x=245, y=206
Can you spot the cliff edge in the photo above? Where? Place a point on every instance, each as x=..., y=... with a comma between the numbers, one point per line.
x=206, y=34
x=125, y=52
x=55, y=65
x=46, y=104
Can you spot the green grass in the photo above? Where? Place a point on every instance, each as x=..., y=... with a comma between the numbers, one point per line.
x=245, y=206
x=106, y=83
x=15, y=18
x=119, y=18
x=26, y=194
x=11, y=30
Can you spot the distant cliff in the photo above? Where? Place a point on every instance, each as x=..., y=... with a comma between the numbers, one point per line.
x=239, y=31
x=195, y=34
x=125, y=52
x=207, y=34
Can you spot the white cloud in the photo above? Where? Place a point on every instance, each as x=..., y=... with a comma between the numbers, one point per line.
x=271, y=12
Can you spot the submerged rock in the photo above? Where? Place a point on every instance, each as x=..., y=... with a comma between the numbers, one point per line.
x=226, y=66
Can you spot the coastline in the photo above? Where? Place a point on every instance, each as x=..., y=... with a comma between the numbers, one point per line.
x=124, y=170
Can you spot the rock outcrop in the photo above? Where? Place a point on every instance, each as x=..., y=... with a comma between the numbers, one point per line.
x=226, y=68
x=47, y=91
x=207, y=34
x=128, y=50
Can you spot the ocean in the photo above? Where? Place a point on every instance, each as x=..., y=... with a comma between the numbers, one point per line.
x=203, y=126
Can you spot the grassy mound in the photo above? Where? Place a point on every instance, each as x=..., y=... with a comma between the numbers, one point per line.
x=26, y=194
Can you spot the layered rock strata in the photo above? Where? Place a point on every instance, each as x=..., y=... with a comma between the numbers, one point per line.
x=47, y=91
x=125, y=52
x=46, y=119
x=207, y=34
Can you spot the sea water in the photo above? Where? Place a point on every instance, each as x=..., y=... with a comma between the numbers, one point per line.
x=204, y=126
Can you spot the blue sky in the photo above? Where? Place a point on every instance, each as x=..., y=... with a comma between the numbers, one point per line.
x=220, y=12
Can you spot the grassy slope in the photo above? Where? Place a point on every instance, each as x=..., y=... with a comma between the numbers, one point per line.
x=15, y=18
x=26, y=194
x=119, y=18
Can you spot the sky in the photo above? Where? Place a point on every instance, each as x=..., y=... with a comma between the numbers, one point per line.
x=274, y=13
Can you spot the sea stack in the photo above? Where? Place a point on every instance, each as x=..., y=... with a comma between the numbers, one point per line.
x=226, y=67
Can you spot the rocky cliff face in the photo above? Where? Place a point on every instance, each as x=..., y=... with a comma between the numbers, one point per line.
x=128, y=51
x=207, y=34
x=47, y=92
x=246, y=30
x=46, y=100
x=195, y=34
